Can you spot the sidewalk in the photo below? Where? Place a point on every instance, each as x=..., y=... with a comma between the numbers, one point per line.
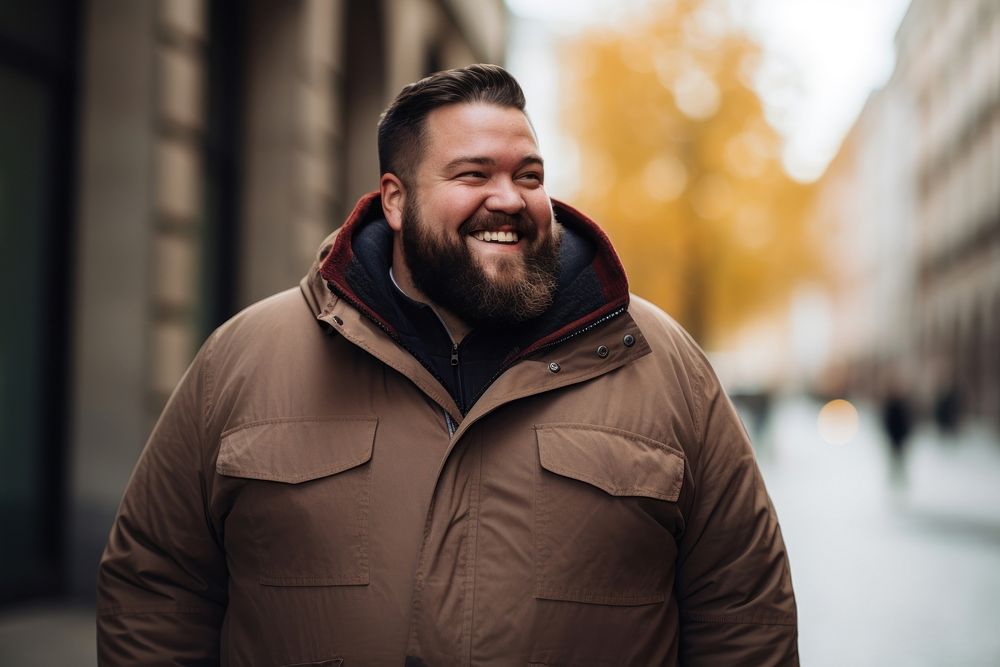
x=47, y=634
x=884, y=575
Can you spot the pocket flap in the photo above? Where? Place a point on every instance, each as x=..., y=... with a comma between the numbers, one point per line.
x=296, y=450
x=619, y=462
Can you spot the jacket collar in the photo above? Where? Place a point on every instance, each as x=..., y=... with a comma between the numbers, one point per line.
x=592, y=288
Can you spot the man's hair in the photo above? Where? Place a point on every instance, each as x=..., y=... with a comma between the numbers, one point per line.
x=402, y=125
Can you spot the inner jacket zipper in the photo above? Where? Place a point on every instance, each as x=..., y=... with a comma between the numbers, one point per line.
x=449, y=423
x=456, y=367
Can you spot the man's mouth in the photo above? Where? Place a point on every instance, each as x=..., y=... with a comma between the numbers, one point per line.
x=496, y=237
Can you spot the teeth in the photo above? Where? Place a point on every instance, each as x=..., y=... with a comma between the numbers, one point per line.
x=496, y=237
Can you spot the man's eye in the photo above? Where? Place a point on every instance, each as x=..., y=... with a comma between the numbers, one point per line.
x=531, y=176
x=472, y=174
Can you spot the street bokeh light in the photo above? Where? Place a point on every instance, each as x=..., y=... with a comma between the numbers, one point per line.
x=838, y=422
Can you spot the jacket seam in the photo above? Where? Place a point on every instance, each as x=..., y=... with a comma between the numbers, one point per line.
x=700, y=414
x=577, y=595
x=472, y=549
x=298, y=420
x=416, y=604
x=267, y=476
x=751, y=619
x=630, y=435
x=701, y=418
x=126, y=611
x=209, y=379
x=207, y=449
x=612, y=489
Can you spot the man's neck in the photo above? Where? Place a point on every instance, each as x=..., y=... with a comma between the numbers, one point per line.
x=403, y=281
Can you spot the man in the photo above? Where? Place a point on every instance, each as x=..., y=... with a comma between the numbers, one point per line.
x=458, y=442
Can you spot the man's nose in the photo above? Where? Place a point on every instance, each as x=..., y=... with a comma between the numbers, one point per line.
x=505, y=198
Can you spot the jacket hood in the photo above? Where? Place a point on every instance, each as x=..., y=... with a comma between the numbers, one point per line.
x=592, y=281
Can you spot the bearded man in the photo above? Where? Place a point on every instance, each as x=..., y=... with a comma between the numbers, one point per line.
x=459, y=442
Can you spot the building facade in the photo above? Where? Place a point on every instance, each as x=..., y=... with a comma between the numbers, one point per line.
x=164, y=163
x=912, y=206
x=865, y=210
x=948, y=63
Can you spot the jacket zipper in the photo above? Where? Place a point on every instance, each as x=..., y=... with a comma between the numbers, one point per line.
x=573, y=334
x=455, y=365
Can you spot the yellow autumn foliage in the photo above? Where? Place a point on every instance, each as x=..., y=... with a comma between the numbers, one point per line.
x=679, y=165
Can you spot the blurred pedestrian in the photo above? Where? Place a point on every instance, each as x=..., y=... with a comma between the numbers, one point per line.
x=946, y=411
x=897, y=420
x=754, y=406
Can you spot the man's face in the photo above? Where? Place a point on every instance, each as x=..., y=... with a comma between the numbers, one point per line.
x=478, y=235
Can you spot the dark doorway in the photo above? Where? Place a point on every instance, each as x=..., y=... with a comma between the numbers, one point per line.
x=364, y=98
x=223, y=157
x=38, y=60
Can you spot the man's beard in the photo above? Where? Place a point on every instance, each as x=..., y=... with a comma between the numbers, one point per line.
x=446, y=270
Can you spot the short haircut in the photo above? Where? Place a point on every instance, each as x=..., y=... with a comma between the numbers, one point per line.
x=402, y=126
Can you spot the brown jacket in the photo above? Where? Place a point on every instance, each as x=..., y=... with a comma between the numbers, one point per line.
x=303, y=501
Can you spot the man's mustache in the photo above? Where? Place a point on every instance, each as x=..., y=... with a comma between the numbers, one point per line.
x=491, y=222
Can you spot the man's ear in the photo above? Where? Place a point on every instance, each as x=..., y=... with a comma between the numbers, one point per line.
x=393, y=200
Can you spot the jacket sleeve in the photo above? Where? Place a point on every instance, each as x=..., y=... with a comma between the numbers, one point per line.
x=163, y=579
x=734, y=586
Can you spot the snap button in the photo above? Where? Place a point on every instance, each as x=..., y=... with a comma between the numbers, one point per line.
x=336, y=318
x=602, y=351
x=554, y=367
x=629, y=340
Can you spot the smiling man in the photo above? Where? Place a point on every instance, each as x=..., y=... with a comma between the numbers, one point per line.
x=460, y=441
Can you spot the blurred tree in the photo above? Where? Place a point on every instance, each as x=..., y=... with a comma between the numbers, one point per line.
x=680, y=166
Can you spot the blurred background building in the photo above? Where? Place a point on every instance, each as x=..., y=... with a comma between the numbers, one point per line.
x=164, y=163
x=912, y=207
x=950, y=56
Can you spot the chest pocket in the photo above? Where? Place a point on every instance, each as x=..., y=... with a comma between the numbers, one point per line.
x=303, y=505
x=605, y=512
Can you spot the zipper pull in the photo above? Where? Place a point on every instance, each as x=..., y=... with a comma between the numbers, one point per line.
x=454, y=354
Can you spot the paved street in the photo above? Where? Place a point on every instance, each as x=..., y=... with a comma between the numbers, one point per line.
x=889, y=576
x=885, y=576
x=47, y=634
